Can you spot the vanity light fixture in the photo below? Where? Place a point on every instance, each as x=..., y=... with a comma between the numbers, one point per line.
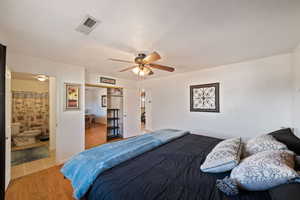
x=41, y=77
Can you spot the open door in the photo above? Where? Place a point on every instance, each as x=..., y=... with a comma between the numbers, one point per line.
x=2, y=121
x=131, y=112
x=148, y=109
x=7, y=127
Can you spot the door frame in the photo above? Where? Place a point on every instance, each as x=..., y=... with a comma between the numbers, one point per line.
x=100, y=86
x=7, y=126
x=2, y=121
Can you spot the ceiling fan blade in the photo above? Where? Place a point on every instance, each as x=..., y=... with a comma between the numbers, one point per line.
x=151, y=58
x=162, y=67
x=119, y=60
x=128, y=68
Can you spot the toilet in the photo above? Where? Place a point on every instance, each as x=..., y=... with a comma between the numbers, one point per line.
x=24, y=138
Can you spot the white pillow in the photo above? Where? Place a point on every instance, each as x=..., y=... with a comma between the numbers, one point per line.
x=262, y=143
x=261, y=171
x=224, y=156
x=265, y=170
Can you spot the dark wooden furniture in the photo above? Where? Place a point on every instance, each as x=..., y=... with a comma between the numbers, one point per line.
x=113, y=126
x=2, y=120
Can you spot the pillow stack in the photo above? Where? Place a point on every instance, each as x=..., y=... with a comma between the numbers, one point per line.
x=267, y=163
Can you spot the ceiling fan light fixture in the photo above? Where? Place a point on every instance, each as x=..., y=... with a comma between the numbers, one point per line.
x=146, y=70
x=141, y=71
x=136, y=70
x=144, y=64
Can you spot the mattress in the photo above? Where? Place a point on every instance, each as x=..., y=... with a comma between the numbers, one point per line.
x=171, y=171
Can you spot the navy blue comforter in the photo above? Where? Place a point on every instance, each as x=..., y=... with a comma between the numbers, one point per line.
x=171, y=171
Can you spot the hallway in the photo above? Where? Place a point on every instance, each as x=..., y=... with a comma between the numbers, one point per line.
x=95, y=136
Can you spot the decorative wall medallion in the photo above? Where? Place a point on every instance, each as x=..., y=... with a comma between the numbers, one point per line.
x=204, y=98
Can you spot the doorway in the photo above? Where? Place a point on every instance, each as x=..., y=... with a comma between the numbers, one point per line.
x=143, y=111
x=103, y=115
x=32, y=131
x=3, y=157
x=95, y=116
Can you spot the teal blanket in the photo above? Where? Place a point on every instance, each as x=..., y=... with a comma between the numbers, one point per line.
x=83, y=168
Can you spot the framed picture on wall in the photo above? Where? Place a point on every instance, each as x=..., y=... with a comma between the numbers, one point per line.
x=72, y=98
x=205, y=98
x=104, y=101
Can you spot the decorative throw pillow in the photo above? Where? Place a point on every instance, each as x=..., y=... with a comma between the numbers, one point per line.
x=287, y=137
x=224, y=156
x=261, y=171
x=265, y=170
x=262, y=143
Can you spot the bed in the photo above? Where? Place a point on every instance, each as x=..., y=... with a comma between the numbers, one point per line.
x=170, y=171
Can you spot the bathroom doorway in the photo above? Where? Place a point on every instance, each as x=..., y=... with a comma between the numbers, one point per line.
x=32, y=140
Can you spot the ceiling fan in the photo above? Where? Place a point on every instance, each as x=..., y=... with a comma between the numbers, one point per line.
x=144, y=64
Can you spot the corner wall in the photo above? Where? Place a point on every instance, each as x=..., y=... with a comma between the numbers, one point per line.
x=255, y=97
x=296, y=90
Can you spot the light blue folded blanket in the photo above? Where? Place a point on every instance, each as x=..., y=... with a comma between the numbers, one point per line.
x=83, y=168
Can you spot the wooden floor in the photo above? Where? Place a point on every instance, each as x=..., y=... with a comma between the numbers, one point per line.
x=48, y=184
x=95, y=136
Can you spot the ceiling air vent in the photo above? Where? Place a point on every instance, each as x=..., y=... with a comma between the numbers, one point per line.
x=88, y=24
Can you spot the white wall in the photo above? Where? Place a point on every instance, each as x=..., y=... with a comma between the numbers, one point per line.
x=92, y=78
x=70, y=124
x=29, y=85
x=255, y=97
x=52, y=112
x=93, y=103
x=296, y=90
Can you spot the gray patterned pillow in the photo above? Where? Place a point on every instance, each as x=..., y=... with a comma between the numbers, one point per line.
x=224, y=156
x=262, y=143
x=265, y=170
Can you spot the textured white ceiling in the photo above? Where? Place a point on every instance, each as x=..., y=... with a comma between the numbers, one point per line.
x=189, y=35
